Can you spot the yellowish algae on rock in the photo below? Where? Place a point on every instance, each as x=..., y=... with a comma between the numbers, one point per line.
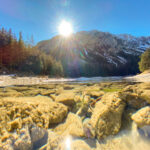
x=39, y=110
x=76, y=116
x=106, y=118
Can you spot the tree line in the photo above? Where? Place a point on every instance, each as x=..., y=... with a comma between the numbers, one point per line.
x=16, y=55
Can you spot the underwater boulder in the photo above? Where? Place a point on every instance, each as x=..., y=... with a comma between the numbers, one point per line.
x=107, y=114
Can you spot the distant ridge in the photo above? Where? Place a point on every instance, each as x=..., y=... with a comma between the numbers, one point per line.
x=97, y=53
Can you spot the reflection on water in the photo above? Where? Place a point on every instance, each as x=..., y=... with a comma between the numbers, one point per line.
x=68, y=142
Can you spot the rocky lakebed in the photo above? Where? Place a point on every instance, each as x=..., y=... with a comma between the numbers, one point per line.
x=75, y=116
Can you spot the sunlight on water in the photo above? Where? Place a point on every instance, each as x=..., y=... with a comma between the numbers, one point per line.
x=68, y=143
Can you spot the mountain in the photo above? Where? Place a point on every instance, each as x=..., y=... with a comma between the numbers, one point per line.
x=94, y=53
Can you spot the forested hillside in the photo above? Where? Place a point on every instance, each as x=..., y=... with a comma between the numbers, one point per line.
x=17, y=56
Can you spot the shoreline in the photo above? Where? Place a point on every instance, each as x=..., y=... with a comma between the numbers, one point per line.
x=12, y=80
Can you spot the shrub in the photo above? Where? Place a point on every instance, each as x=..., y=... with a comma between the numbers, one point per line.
x=144, y=63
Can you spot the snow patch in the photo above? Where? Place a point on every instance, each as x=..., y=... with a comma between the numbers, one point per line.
x=122, y=60
x=109, y=60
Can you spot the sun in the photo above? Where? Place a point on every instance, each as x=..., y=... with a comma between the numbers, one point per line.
x=65, y=28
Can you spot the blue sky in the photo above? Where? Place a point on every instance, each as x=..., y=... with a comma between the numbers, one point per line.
x=41, y=18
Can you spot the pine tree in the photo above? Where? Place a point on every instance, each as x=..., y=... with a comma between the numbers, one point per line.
x=20, y=38
x=32, y=41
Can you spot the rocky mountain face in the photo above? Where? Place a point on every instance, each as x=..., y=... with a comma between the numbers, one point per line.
x=94, y=53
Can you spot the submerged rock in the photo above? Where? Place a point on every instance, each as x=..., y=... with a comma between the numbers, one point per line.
x=39, y=136
x=15, y=124
x=72, y=126
x=39, y=110
x=127, y=122
x=83, y=107
x=142, y=117
x=145, y=94
x=88, y=129
x=67, y=98
x=24, y=141
x=28, y=138
x=7, y=145
x=142, y=90
x=133, y=100
x=106, y=118
x=5, y=92
x=92, y=88
x=70, y=144
x=95, y=94
x=53, y=140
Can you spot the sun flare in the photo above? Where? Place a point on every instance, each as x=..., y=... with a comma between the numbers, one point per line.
x=65, y=28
